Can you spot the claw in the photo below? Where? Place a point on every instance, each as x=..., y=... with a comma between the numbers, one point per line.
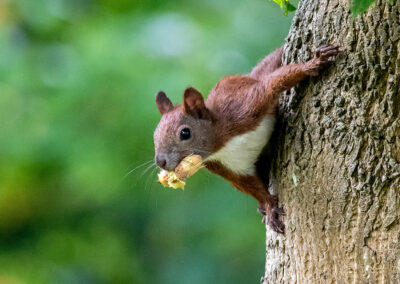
x=276, y=225
x=327, y=50
x=279, y=211
x=272, y=217
x=323, y=46
x=329, y=47
x=261, y=210
x=330, y=52
x=324, y=56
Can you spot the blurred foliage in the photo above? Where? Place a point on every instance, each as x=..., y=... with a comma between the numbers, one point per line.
x=77, y=86
x=361, y=6
x=285, y=6
x=357, y=6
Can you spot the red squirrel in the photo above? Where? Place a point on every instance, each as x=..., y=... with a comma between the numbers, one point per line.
x=230, y=129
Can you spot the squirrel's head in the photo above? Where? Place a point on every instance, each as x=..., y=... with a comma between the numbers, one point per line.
x=183, y=130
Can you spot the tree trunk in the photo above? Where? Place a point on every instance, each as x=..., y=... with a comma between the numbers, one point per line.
x=337, y=166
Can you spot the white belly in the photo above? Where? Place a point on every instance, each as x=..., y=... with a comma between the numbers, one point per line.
x=242, y=151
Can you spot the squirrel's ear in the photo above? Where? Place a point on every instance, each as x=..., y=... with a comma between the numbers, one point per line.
x=163, y=103
x=193, y=104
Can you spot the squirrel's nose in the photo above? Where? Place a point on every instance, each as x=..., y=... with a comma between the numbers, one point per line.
x=161, y=161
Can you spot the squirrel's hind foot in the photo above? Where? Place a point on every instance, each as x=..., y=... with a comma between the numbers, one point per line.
x=272, y=218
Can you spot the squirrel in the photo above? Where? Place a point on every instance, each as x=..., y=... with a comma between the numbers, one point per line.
x=230, y=129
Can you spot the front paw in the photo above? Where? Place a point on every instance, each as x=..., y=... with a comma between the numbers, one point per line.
x=324, y=56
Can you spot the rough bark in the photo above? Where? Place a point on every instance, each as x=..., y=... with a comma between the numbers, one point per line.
x=339, y=141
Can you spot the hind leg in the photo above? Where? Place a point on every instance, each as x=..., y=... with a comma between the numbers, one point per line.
x=270, y=63
x=269, y=207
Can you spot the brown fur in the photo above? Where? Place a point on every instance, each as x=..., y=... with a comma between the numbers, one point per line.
x=236, y=105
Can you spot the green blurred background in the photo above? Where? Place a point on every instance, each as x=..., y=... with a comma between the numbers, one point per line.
x=77, y=85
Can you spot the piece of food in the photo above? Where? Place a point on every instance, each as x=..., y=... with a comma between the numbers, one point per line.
x=163, y=177
x=189, y=166
x=186, y=168
x=170, y=179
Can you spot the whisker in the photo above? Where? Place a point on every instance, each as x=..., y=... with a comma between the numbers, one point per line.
x=149, y=172
x=145, y=187
x=143, y=174
x=152, y=183
x=136, y=168
x=147, y=169
x=149, y=177
x=131, y=171
x=147, y=161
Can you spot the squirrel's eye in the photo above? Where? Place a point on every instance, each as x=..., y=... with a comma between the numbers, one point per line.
x=185, y=134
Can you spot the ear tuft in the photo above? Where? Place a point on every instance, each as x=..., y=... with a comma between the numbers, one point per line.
x=163, y=103
x=193, y=104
